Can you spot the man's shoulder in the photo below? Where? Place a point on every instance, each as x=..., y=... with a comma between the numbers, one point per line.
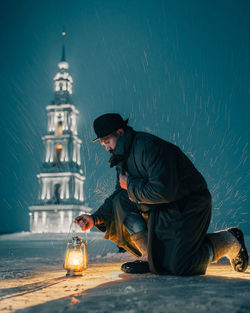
x=144, y=138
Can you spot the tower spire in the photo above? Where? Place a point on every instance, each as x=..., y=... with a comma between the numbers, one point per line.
x=63, y=59
x=63, y=80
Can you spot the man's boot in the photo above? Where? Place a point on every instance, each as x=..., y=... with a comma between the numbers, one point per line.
x=141, y=242
x=230, y=243
x=138, y=266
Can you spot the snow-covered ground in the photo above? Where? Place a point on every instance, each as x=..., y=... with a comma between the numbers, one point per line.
x=33, y=280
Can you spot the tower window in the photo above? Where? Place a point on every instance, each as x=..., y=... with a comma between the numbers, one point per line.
x=59, y=130
x=59, y=122
x=58, y=154
x=57, y=193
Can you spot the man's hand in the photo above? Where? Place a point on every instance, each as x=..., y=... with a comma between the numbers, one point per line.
x=123, y=181
x=85, y=221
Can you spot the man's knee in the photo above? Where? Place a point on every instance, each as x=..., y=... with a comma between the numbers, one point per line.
x=186, y=266
x=176, y=266
x=134, y=223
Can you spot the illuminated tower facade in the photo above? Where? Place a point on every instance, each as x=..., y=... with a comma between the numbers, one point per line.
x=61, y=178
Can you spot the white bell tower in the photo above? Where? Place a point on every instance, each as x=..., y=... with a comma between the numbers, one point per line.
x=61, y=178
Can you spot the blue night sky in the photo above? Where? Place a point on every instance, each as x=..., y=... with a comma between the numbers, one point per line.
x=178, y=69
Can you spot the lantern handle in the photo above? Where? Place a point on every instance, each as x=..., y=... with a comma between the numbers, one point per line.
x=74, y=233
x=70, y=232
x=86, y=238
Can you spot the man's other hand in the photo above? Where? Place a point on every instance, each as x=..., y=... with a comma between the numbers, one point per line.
x=123, y=181
x=85, y=221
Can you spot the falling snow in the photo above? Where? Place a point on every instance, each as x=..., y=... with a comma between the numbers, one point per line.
x=178, y=70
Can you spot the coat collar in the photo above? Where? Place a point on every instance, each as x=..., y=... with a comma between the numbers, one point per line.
x=124, y=142
x=122, y=149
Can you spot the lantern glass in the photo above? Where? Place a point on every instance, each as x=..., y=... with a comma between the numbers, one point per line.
x=76, y=259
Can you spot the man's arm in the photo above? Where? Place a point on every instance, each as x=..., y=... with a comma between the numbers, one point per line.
x=163, y=177
x=104, y=213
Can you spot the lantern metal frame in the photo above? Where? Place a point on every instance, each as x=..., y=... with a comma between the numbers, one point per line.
x=76, y=258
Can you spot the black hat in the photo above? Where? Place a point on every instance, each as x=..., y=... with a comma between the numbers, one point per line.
x=107, y=124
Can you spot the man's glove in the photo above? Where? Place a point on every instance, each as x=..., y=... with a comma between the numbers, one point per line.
x=85, y=221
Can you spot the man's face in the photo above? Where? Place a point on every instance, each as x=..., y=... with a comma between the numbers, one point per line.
x=110, y=141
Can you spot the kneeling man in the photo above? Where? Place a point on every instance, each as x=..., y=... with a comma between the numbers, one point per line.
x=161, y=207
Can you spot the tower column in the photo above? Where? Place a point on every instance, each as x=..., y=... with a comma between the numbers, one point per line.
x=66, y=148
x=44, y=215
x=61, y=217
x=81, y=191
x=74, y=151
x=67, y=189
x=51, y=152
x=78, y=154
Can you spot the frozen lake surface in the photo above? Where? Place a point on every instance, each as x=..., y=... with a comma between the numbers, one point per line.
x=33, y=280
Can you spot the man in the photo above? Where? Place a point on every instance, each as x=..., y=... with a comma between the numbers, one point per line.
x=161, y=206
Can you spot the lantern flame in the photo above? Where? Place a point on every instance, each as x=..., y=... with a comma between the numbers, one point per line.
x=75, y=258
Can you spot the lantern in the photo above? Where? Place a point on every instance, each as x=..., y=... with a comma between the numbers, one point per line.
x=76, y=259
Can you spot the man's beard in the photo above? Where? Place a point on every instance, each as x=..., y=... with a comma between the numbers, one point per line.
x=115, y=159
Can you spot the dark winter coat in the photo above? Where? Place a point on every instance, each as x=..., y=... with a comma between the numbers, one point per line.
x=165, y=183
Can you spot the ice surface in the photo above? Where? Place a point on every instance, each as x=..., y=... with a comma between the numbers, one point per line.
x=33, y=280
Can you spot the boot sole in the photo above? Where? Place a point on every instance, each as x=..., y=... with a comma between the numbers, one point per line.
x=240, y=262
x=137, y=267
